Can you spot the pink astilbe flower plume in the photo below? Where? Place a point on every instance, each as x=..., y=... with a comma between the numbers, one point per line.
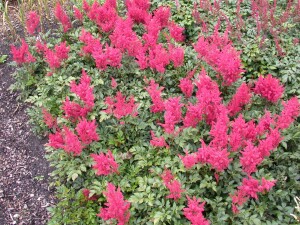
x=189, y=160
x=291, y=110
x=217, y=158
x=72, y=142
x=85, y=6
x=250, y=188
x=250, y=159
x=137, y=10
x=219, y=53
x=49, y=120
x=33, y=22
x=173, y=185
x=105, y=16
x=87, y=131
x=194, y=212
x=176, y=31
x=73, y=110
x=219, y=129
x=62, y=50
x=239, y=99
x=77, y=13
x=119, y=107
x=91, y=44
x=172, y=114
x=22, y=54
x=269, y=88
x=52, y=59
x=116, y=207
x=266, y=185
x=186, y=86
x=62, y=17
x=176, y=55
x=158, y=58
x=107, y=56
x=155, y=93
x=158, y=141
x=55, y=57
x=105, y=164
x=40, y=47
x=264, y=123
x=56, y=140
x=208, y=96
x=193, y=115
x=270, y=143
x=84, y=90
x=162, y=14
x=125, y=39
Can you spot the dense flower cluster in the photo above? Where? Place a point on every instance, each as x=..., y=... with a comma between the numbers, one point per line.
x=240, y=99
x=33, y=22
x=155, y=94
x=186, y=86
x=119, y=107
x=219, y=53
x=117, y=207
x=172, y=114
x=62, y=17
x=269, y=88
x=77, y=13
x=173, y=185
x=249, y=189
x=105, y=164
x=193, y=212
x=55, y=57
x=84, y=91
x=158, y=141
x=22, y=55
x=87, y=131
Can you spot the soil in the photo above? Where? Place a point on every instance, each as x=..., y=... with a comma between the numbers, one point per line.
x=24, y=171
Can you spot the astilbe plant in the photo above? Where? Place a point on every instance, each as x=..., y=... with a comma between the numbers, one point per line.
x=150, y=127
x=117, y=207
x=33, y=22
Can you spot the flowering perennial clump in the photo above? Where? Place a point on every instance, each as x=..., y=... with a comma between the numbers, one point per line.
x=194, y=212
x=269, y=88
x=195, y=124
x=119, y=107
x=105, y=164
x=173, y=185
x=22, y=55
x=218, y=52
x=116, y=207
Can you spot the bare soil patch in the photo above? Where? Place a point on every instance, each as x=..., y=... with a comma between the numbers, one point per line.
x=24, y=171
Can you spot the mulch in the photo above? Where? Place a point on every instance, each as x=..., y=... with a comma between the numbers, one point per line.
x=24, y=171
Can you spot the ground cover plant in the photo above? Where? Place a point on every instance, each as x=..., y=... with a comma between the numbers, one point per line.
x=148, y=127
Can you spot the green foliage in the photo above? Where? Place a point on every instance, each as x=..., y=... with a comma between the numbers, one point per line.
x=3, y=58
